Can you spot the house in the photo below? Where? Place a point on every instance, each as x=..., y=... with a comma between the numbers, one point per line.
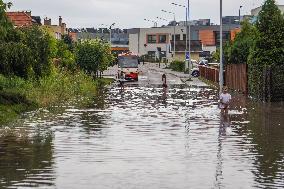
x=20, y=19
x=56, y=30
x=23, y=18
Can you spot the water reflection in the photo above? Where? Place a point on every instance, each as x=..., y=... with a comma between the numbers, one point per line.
x=266, y=130
x=26, y=158
x=147, y=137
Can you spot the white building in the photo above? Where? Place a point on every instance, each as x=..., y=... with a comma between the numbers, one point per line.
x=148, y=41
x=255, y=12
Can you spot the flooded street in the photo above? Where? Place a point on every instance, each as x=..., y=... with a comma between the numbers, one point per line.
x=146, y=137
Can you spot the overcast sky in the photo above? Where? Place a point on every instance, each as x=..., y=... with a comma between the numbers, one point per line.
x=128, y=13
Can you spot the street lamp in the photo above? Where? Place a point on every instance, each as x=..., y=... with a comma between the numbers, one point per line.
x=109, y=30
x=174, y=30
x=240, y=14
x=161, y=18
x=188, y=38
x=155, y=23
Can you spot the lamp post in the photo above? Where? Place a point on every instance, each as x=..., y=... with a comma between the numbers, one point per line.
x=188, y=38
x=221, y=69
x=161, y=18
x=110, y=32
x=174, y=30
x=110, y=27
x=155, y=23
x=240, y=14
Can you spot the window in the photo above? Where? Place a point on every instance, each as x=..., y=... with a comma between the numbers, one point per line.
x=177, y=37
x=152, y=38
x=152, y=54
x=184, y=37
x=162, y=38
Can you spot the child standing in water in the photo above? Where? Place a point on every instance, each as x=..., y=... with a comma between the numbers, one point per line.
x=225, y=99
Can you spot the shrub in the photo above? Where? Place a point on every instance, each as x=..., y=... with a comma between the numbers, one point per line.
x=16, y=59
x=177, y=66
x=93, y=55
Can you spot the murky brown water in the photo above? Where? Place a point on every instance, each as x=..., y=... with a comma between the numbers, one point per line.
x=146, y=137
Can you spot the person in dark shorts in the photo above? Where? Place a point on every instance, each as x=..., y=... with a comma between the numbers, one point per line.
x=164, y=80
x=121, y=79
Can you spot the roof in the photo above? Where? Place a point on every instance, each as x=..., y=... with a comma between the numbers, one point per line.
x=36, y=20
x=20, y=18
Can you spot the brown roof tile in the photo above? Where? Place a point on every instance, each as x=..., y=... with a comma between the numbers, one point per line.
x=20, y=19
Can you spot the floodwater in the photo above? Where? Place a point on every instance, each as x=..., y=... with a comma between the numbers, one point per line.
x=146, y=137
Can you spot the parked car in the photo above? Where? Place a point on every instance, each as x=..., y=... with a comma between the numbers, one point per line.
x=195, y=72
x=203, y=62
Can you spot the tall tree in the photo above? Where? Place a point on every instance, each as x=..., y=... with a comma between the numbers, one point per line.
x=238, y=51
x=5, y=24
x=269, y=45
x=267, y=53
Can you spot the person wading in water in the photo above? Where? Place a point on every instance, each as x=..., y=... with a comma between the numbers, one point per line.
x=164, y=80
x=121, y=79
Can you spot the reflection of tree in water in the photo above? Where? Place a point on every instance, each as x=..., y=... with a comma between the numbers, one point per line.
x=22, y=156
x=267, y=131
x=99, y=101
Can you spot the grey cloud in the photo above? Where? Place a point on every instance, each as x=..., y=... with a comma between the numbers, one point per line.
x=128, y=13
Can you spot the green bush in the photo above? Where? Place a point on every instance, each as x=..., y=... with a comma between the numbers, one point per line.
x=16, y=59
x=177, y=66
x=42, y=47
x=93, y=56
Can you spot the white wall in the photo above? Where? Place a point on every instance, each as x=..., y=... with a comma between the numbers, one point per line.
x=209, y=48
x=133, y=43
x=169, y=31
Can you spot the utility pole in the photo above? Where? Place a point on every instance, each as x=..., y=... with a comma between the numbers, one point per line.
x=189, y=40
x=221, y=69
x=240, y=15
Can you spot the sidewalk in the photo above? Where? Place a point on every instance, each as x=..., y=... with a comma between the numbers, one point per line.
x=183, y=77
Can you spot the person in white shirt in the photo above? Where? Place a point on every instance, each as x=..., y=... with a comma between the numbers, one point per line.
x=225, y=99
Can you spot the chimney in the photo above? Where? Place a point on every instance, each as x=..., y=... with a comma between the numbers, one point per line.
x=60, y=21
x=47, y=22
x=29, y=13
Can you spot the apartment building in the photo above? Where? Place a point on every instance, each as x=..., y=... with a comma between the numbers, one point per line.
x=204, y=38
x=119, y=37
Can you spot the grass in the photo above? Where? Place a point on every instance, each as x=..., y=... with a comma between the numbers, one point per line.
x=210, y=83
x=18, y=95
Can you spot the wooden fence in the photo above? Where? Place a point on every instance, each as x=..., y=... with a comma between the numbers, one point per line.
x=235, y=76
x=209, y=73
